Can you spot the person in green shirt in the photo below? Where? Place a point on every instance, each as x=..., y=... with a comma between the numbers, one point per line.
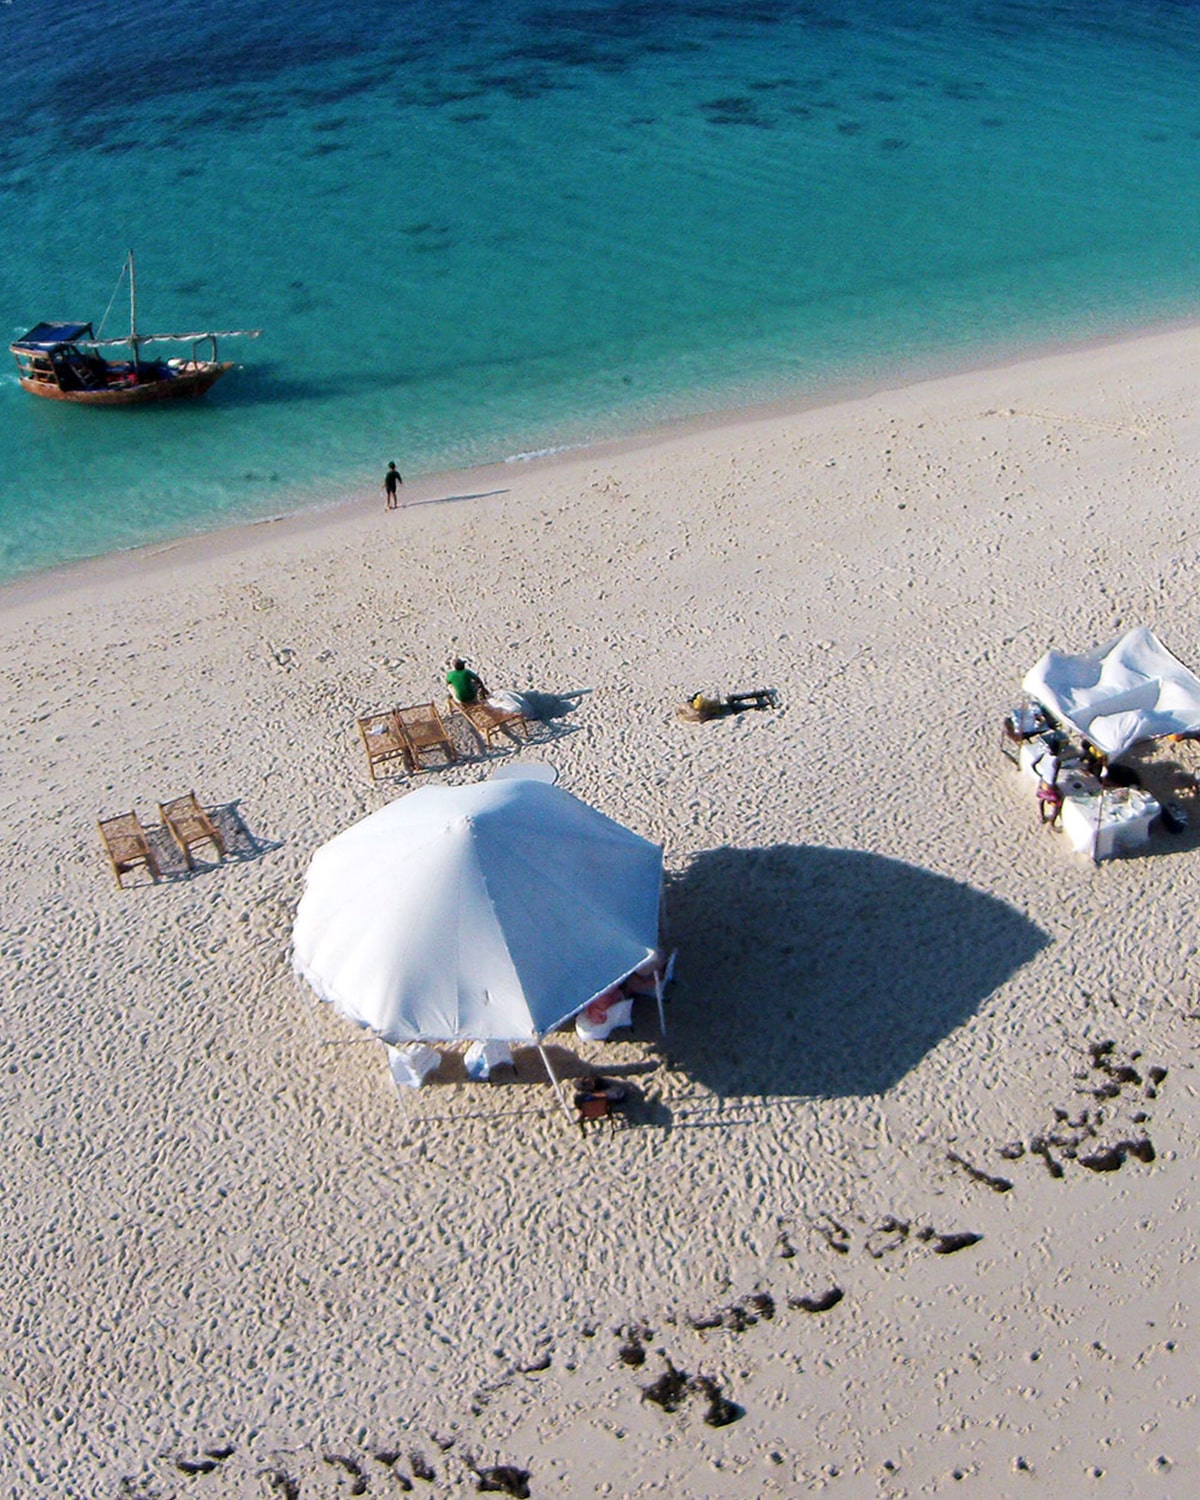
x=464, y=684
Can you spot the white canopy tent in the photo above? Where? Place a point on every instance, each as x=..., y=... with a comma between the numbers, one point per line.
x=492, y=912
x=1131, y=690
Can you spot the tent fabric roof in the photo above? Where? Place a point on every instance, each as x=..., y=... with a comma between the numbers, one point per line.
x=50, y=335
x=1131, y=690
x=493, y=912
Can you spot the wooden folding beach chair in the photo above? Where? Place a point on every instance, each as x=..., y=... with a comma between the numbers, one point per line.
x=384, y=740
x=126, y=845
x=425, y=732
x=485, y=719
x=187, y=823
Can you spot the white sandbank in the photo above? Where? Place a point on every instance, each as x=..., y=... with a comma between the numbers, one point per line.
x=223, y=1228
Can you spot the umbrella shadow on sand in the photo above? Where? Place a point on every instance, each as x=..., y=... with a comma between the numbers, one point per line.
x=828, y=972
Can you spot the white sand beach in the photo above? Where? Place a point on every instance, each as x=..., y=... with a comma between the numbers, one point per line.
x=237, y=1263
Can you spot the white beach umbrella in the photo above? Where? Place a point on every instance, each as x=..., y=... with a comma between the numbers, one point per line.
x=494, y=912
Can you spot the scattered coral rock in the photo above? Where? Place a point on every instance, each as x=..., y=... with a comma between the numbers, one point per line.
x=947, y=1244
x=669, y=1390
x=358, y=1478
x=1112, y=1158
x=191, y=1466
x=889, y=1234
x=503, y=1479
x=282, y=1484
x=835, y=1235
x=997, y=1184
x=720, y=1411
x=820, y=1304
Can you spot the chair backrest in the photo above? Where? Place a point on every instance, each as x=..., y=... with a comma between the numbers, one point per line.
x=383, y=739
x=126, y=844
x=425, y=729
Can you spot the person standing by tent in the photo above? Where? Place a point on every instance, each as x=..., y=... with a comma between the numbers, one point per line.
x=391, y=484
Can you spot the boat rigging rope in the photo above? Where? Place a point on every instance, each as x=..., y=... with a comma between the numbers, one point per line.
x=112, y=299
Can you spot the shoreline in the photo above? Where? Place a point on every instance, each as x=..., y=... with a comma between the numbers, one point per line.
x=116, y=567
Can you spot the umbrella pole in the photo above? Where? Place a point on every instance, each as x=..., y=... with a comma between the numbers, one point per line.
x=658, y=995
x=562, y=1098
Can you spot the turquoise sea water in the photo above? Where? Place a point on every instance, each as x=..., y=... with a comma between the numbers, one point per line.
x=470, y=233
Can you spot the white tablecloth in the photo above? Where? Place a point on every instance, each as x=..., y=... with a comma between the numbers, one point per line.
x=1115, y=823
x=1066, y=771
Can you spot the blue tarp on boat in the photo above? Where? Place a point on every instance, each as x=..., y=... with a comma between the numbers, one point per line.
x=50, y=335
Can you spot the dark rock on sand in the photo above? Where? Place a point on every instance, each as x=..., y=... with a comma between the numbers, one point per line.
x=421, y=1470
x=358, y=1479
x=947, y=1244
x=673, y=1387
x=633, y=1351
x=389, y=1458
x=669, y=1390
x=820, y=1304
x=835, y=1235
x=720, y=1411
x=282, y=1483
x=1108, y=1160
x=1039, y=1147
x=195, y=1465
x=1111, y=1158
x=503, y=1479
x=976, y=1174
x=737, y=1317
x=889, y=1234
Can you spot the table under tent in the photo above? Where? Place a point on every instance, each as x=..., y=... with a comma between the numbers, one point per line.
x=1082, y=721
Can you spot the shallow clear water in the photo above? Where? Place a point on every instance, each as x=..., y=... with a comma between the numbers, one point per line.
x=468, y=235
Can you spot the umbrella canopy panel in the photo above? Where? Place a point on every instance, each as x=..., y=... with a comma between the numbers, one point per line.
x=493, y=911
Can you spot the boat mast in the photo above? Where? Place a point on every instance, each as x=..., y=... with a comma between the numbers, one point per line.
x=133, y=338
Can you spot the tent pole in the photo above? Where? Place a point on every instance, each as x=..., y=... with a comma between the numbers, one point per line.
x=562, y=1098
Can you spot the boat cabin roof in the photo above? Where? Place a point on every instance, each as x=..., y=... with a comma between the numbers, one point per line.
x=47, y=337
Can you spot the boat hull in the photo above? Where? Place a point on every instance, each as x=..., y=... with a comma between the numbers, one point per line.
x=190, y=378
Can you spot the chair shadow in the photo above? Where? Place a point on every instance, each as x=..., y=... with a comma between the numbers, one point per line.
x=827, y=972
x=546, y=711
x=241, y=845
x=241, y=842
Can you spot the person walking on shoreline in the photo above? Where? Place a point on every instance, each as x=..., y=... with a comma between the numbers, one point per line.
x=392, y=483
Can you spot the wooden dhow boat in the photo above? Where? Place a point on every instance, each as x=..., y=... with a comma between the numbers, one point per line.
x=64, y=362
